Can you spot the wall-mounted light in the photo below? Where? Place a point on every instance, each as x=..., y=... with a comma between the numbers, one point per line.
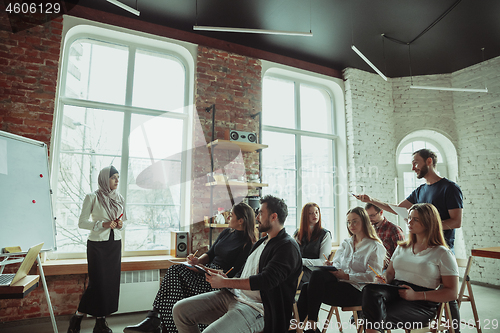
x=368, y=62
x=124, y=6
x=485, y=90
x=252, y=31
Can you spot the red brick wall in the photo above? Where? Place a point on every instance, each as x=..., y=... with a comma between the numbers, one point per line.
x=29, y=62
x=65, y=292
x=233, y=83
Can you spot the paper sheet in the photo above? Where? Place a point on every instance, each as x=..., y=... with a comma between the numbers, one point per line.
x=401, y=211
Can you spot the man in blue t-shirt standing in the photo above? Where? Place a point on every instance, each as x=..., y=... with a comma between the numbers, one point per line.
x=439, y=191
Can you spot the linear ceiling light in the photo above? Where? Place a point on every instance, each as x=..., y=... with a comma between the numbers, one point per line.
x=368, y=62
x=485, y=90
x=124, y=6
x=252, y=31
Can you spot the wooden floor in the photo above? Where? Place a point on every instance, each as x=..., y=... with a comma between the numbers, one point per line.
x=488, y=300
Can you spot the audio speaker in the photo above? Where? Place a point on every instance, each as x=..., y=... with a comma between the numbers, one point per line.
x=243, y=136
x=180, y=243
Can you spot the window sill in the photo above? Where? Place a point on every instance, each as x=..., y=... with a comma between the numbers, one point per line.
x=79, y=266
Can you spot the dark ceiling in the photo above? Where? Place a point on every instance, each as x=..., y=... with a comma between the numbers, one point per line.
x=453, y=43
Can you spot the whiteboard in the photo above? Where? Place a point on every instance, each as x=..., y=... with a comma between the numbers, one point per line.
x=26, y=216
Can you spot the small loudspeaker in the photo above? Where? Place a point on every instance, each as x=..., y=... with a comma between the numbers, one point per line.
x=243, y=136
x=180, y=243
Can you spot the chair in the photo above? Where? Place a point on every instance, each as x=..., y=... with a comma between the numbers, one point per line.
x=295, y=310
x=466, y=263
x=437, y=324
x=335, y=309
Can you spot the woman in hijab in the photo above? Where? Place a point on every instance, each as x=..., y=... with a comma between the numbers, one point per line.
x=106, y=206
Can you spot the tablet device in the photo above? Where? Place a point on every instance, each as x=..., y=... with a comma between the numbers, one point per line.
x=199, y=268
x=327, y=268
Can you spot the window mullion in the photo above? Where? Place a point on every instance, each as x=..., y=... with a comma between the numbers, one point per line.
x=298, y=155
x=127, y=119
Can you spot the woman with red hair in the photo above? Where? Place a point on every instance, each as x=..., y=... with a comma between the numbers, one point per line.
x=314, y=241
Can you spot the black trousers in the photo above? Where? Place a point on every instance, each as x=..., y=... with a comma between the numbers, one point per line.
x=383, y=308
x=324, y=287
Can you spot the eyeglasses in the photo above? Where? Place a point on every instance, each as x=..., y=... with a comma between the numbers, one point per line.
x=353, y=223
x=373, y=215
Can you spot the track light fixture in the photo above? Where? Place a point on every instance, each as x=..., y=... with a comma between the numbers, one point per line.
x=126, y=7
x=252, y=31
x=485, y=90
x=369, y=62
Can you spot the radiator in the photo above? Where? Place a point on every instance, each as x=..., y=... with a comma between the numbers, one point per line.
x=138, y=290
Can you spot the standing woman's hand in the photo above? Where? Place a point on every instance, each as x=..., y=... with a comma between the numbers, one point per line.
x=111, y=224
x=119, y=223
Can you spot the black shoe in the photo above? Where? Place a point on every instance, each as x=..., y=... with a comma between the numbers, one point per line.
x=74, y=324
x=150, y=325
x=101, y=326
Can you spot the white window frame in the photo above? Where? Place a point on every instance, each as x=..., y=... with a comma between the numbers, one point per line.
x=75, y=28
x=335, y=88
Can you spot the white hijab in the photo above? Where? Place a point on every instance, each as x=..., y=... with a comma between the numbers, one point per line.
x=111, y=200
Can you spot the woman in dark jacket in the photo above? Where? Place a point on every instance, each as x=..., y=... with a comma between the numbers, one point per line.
x=230, y=250
x=315, y=242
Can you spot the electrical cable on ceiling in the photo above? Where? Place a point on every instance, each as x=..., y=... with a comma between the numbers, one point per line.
x=436, y=21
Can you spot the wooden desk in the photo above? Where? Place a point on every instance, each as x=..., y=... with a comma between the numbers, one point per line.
x=487, y=252
x=21, y=288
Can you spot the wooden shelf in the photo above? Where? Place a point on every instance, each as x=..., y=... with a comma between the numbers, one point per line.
x=235, y=145
x=79, y=266
x=20, y=287
x=236, y=183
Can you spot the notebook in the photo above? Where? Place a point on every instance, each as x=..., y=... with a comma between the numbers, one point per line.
x=29, y=259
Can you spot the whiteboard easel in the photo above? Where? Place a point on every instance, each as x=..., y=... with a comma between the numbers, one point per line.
x=8, y=261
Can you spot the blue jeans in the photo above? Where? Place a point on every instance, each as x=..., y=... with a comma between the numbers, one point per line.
x=218, y=309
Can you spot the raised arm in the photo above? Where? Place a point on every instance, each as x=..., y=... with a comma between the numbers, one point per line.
x=382, y=205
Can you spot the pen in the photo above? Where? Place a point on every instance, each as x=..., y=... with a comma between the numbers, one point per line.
x=229, y=270
x=354, y=195
x=376, y=273
x=194, y=255
x=120, y=216
x=325, y=257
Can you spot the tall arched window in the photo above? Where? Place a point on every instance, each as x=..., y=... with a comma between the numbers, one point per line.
x=298, y=125
x=123, y=100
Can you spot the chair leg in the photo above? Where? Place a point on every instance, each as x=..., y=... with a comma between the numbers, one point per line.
x=474, y=309
x=359, y=328
x=299, y=329
x=449, y=317
x=328, y=321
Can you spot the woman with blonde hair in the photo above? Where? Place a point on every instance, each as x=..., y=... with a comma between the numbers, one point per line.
x=314, y=241
x=352, y=261
x=419, y=266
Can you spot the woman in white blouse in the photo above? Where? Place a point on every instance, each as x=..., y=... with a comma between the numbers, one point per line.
x=106, y=207
x=352, y=260
x=419, y=265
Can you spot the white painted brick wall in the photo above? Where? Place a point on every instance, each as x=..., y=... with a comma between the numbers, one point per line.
x=416, y=109
x=478, y=127
x=379, y=114
x=370, y=135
